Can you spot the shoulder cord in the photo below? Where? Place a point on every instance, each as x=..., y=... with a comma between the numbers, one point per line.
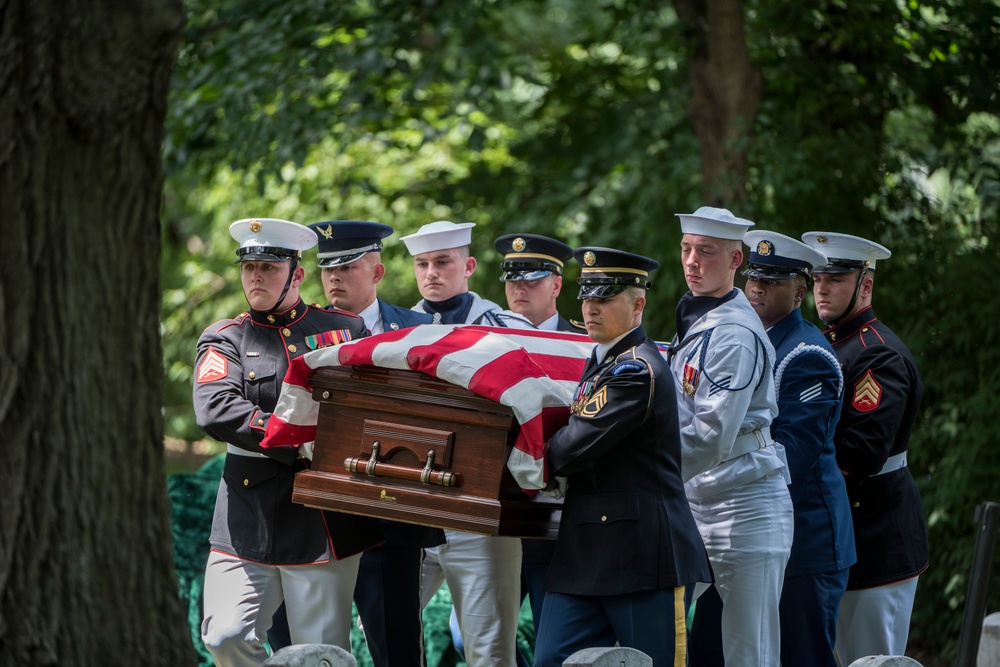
x=756, y=357
x=802, y=349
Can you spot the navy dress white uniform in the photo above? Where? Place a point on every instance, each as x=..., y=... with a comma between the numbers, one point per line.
x=736, y=476
x=388, y=590
x=881, y=401
x=483, y=572
x=627, y=543
x=265, y=548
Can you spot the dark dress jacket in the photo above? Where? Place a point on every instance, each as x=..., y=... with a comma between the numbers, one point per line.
x=626, y=525
x=808, y=385
x=882, y=393
x=239, y=369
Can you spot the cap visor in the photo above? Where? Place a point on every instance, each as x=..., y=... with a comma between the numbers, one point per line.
x=600, y=291
x=517, y=276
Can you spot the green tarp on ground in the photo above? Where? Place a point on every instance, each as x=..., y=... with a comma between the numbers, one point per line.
x=192, y=500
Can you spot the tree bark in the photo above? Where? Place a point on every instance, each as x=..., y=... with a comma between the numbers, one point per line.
x=86, y=569
x=726, y=90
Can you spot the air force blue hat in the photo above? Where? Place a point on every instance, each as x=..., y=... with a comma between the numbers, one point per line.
x=607, y=272
x=845, y=253
x=345, y=241
x=270, y=239
x=531, y=256
x=778, y=257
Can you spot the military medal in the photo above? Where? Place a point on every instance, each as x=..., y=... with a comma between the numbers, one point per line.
x=690, y=379
x=583, y=393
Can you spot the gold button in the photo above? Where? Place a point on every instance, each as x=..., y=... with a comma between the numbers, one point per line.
x=286, y=332
x=246, y=482
x=833, y=336
x=260, y=422
x=252, y=375
x=856, y=505
x=604, y=518
x=864, y=330
x=292, y=348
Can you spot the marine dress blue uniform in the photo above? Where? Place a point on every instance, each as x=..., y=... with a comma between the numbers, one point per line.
x=882, y=392
x=265, y=548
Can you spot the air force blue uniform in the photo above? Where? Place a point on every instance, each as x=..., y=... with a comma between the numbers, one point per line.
x=809, y=387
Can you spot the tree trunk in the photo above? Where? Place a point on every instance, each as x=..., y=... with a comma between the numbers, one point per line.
x=86, y=571
x=726, y=90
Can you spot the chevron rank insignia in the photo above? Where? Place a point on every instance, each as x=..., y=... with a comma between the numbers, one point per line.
x=213, y=367
x=596, y=402
x=328, y=338
x=867, y=393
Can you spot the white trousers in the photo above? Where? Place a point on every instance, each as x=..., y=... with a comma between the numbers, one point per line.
x=875, y=621
x=748, y=535
x=241, y=597
x=484, y=577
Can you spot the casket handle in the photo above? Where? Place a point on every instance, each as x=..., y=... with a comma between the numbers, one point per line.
x=372, y=467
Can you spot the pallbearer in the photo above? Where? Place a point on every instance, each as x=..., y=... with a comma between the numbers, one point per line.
x=627, y=543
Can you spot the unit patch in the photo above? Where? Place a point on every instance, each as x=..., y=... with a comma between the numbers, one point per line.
x=213, y=367
x=867, y=393
x=596, y=402
x=626, y=366
x=328, y=338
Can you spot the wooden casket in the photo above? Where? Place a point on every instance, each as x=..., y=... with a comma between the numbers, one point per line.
x=405, y=446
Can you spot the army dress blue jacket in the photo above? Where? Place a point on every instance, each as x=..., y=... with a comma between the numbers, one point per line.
x=240, y=366
x=809, y=388
x=882, y=392
x=626, y=524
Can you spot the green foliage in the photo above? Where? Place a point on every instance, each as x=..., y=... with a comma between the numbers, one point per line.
x=570, y=118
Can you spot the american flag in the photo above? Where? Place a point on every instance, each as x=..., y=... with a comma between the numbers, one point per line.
x=535, y=373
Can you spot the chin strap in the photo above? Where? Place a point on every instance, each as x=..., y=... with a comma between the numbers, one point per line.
x=854, y=299
x=293, y=264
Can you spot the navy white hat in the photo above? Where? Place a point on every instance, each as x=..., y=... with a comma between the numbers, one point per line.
x=607, y=272
x=345, y=241
x=439, y=235
x=845, y=253
x=779, y=257
x=531, y=256
x=718, y=223
x=270, y=239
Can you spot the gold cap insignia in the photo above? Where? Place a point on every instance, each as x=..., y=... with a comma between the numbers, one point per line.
x=518, y=244
x=255, y=226
x=589, y=259
x=821, y=239
x=327, y=233
x=764, y=248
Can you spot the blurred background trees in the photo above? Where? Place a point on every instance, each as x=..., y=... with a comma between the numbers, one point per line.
x=595, y=121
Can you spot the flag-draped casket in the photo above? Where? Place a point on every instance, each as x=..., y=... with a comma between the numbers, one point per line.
x=438, y=425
